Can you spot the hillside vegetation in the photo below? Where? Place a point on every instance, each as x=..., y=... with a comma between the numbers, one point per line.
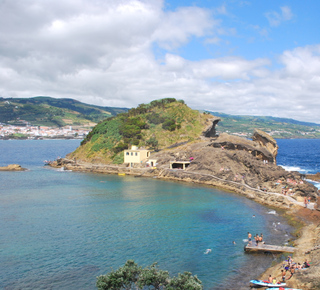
x=159, y=124
x=46, y=111
x=276, y=127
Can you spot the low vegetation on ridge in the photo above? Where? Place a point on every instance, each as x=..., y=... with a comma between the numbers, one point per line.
x=52, y=112
x=278, y=128
x=158, y=124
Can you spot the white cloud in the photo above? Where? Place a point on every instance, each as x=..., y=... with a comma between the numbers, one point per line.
x=275, y=18
x=101, y=52
x=176, y=28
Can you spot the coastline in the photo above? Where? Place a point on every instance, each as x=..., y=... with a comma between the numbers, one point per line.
x=306, y=221
x=307, y=248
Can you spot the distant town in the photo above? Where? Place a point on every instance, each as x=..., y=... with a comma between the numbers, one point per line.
x=40, y=132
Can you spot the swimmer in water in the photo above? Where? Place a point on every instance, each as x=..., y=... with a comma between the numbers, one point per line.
x=207, y=251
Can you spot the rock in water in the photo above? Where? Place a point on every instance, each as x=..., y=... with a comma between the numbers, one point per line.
x=12, y=167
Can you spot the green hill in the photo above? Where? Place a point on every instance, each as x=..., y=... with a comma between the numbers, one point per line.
x=276, y=127
x=46, y=111
x=52, y=112
x=159, y=124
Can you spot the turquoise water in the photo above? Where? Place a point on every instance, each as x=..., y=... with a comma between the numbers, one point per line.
x=61, y=229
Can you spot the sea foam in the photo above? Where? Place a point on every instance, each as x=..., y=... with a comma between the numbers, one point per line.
x=293, y=168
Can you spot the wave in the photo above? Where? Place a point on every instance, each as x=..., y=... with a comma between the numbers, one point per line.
x=293, y=168
x=305, y=170
x=62, y=169
x=272, y=212
x=315, y=183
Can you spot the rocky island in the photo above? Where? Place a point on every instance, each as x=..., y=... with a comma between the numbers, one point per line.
x=12, y=167
x=183, y=144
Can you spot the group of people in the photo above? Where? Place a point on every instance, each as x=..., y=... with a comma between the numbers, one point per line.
x=258, y=239
x=289, y=267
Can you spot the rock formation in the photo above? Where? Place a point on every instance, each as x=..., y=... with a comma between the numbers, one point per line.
x=12, y=167
x=260, y=147
x=266, y=141
x=210, y=131
x=315, y=177
x=233, y=161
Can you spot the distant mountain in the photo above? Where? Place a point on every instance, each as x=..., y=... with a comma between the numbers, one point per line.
x=276, y=127
x=52, y=112
x=47, y=111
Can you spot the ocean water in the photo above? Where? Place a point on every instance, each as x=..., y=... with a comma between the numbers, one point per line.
x=61, y=229
x=302, y=155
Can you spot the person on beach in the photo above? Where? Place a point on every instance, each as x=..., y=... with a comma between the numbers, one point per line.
x=291, y=272
x=309, y=199
x=261, y=239
x=283, y=276
x=306, y=264
x=287, y=267
x=257, y=239
x=299, y=266
x=249, y=239
x=290, y=261
x=305, y=202
x=270, y=279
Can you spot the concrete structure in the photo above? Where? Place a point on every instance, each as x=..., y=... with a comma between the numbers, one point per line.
x=268, y=248
x=135, y=155
x=179, y=164
x=152, y=162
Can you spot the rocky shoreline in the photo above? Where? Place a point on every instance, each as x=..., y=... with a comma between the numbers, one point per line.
x=247, y=168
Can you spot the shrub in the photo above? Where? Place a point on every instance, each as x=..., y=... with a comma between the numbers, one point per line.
x=169, y=125
x=155, y=118
x=131, y=275
x=153, y=143
x=120, y=147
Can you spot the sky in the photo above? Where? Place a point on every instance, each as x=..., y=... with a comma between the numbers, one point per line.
x=251, y=57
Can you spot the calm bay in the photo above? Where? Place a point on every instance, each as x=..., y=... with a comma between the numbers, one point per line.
x=61, y=229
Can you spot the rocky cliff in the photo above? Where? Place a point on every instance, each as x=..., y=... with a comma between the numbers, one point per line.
x=239, y=164
x=230, y=162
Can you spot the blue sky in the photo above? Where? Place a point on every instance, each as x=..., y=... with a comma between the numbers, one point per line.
x=236, y=57
x=254, y=29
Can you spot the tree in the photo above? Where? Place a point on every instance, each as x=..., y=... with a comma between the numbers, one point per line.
x=169, y=125
x=185, y=281
x=152, y=276
x=153, y=143
x=132, y=276
x=123, y=278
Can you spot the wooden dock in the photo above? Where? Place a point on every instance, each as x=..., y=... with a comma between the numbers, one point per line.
x=268, y=248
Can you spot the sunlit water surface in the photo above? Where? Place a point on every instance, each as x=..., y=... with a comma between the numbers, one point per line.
x=61, y=229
